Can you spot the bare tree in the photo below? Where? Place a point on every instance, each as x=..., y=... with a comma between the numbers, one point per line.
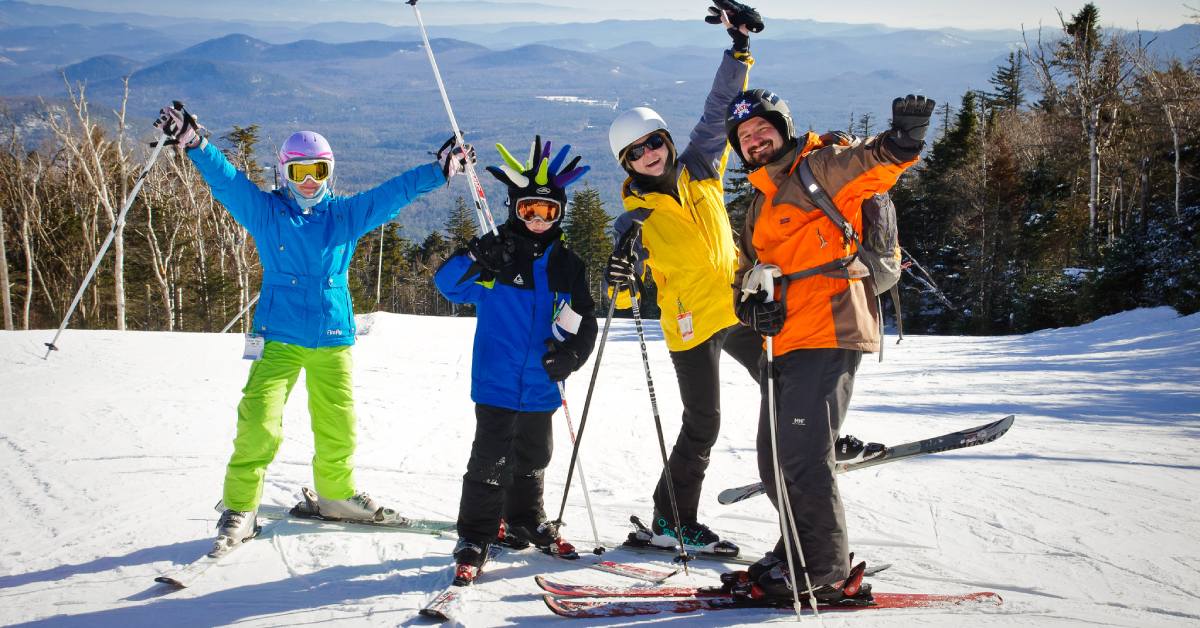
x=100, y=161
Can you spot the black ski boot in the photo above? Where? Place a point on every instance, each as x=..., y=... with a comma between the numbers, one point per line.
x=697, y=537
x=850, y=449
x=545, y=536
x=469, y=558
x=775, y=586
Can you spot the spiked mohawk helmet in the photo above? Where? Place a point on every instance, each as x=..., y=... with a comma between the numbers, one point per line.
x=539, y=176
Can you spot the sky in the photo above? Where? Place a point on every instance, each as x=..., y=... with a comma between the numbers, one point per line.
x=1151, y=14
x=969, y=14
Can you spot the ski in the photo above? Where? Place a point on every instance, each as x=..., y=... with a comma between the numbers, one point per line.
x=578, y=608
x=565, y=589
x=386, y=518
x=637, y=572
x=186, y=575
x=447, y=604
x=947, y=442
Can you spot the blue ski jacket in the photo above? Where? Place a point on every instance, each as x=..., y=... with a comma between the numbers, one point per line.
x=305, y=295
x=515, y=312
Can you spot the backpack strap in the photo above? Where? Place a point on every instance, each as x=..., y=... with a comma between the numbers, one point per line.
x=822, y=199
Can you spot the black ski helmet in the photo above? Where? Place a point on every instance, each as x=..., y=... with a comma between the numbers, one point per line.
x=758, y=103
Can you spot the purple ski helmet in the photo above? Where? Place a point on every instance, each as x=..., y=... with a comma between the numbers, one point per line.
x=305, y=145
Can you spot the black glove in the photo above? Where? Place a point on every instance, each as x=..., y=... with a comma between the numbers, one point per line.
x=179, y=126
x=453, y=157
x=764, y=317
x=559, y=360
x=492, y=252
x=620, y=271
x=910, y=120
x=739, y=15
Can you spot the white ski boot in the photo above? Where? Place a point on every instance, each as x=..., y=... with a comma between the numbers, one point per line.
x=234, y=527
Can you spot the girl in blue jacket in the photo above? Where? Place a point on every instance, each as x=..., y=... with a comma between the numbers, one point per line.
x=305, y=238
x=535, y=325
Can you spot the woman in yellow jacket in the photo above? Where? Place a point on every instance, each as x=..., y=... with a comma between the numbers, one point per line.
x=686, y=242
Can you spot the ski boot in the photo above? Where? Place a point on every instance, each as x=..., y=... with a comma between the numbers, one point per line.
x=545, y=536
x=850, y=449
x=469, y=558
x=234, y=527
x=357, y=507
x=775, y=586
x=697, y=537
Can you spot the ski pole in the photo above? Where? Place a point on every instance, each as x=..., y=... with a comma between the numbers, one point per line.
x=117, y=224
x=587, y=404
x=482, y=212
x=762, y=278
x=662, y=445
x=587, y=497
x=242, y=313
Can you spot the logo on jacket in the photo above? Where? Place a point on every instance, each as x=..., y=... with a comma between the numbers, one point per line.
x=333, y=332
x=518, y=280
x=741, y=109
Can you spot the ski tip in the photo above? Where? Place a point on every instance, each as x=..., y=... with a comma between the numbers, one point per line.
x=541, y=582
x=167, y=580
x=553, y=604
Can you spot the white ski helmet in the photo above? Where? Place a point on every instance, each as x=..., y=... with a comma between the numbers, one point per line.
x=631, y=125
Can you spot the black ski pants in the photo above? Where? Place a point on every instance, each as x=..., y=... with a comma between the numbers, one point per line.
x=699, y=375
x=812, y=393
x=506, y=473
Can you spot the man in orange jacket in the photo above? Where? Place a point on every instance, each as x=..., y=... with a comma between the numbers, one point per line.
x=825, y=319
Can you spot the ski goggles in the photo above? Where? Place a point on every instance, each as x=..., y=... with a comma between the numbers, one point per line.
x=654, y=142
x=548, y=210
x=318, y=169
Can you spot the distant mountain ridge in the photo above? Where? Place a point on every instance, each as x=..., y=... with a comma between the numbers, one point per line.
x=375, y=98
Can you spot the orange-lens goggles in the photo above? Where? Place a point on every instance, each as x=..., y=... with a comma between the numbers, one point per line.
x=319, y=170
x=546, y=209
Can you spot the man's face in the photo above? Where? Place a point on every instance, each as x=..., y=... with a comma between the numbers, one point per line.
x=760, y=141
x=653, y=162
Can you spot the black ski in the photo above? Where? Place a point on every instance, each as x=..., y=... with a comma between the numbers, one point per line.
x=947, y=442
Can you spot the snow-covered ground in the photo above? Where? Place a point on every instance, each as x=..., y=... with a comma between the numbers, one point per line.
x=113, y=450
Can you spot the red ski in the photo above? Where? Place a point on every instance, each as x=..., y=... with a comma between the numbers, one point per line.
x=579, y=608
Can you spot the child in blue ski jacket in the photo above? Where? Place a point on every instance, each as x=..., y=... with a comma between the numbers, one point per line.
x=535, y=326
x=305, y=238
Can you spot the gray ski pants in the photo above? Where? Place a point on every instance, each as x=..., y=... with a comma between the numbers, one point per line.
x=812, y=393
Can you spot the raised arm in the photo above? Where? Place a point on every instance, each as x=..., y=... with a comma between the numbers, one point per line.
x=367, y=210
x=240, y=196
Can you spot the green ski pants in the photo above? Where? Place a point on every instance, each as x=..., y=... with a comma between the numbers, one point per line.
x=260, y=421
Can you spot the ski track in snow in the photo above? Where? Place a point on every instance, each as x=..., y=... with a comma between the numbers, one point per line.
x=112, y=454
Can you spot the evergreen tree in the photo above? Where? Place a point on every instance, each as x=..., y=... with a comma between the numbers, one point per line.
x=738, y=195
x=1008, y=80
x=460, y=226
x=586, y=229
x=242, y=140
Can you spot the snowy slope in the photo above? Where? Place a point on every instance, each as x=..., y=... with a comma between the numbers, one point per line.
x=113, y=450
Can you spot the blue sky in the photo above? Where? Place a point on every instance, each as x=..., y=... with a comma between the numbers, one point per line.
x=1151, y=14
x=971, y=14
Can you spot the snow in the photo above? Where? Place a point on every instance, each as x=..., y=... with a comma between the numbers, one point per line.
x=112, y=454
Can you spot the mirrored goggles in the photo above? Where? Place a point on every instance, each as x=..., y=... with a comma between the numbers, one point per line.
x=654, y=142
x=318, y=169
x=548, y=210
